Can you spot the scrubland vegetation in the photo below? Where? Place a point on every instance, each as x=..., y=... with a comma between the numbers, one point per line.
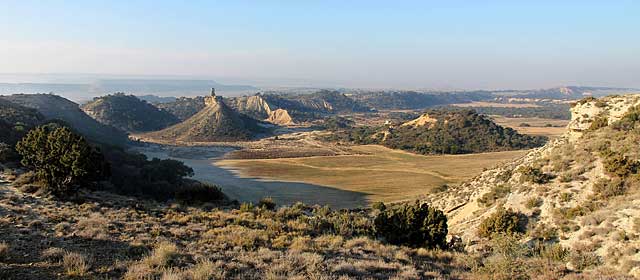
x=447, y=132
x=82, y=210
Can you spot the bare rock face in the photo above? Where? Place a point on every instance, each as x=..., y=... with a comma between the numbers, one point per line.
x=584, y=112
x=569, y=206
x=255, y=106
x=280, y=117
x=423, y=120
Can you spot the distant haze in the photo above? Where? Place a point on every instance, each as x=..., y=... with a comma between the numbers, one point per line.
x=366, y=44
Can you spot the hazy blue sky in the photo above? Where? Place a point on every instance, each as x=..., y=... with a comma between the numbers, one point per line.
x=403, y=44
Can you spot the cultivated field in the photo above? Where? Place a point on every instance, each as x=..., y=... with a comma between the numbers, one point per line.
x=380, y=173
x=538, y=126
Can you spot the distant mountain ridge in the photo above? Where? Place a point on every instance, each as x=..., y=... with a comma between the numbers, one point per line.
x=87, y=89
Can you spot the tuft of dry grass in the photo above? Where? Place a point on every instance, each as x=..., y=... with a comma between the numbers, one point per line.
x=162, y=255
x=95, y=226
x=75, y=264
x=4, y=250
x=53, y=254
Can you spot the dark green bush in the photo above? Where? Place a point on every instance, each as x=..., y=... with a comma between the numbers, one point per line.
x=413, y=224
x=62, y=159
x=619, y=164
x=7, y=153
x=379, y=205
x=534, y=175
x=503, y=221
x=494, y=194
x=197, y=192
x=267, y=203
x=609, y=188
x=628, y=120
x=599, y=122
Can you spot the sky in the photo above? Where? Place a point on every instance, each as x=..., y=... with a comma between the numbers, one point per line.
x=366, y=44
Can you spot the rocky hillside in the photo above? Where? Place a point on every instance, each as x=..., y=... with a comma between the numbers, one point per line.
x=581, y=191
x=216, y=122
x=54, y=107
x=128, y=113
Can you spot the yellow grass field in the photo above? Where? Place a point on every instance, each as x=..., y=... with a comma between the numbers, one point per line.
x=495, y=104
x=381, y=173
x=538, y=125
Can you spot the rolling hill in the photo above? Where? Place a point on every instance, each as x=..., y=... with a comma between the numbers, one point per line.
x=128, y=113
x=54, y=107
x=442, y=132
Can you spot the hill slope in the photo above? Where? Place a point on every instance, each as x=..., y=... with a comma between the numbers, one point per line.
x=183, y=107
x=15, y=120
x=55, y=107
x=581, y=190
x=216, y=122
x=444, y=132
x=128, y=113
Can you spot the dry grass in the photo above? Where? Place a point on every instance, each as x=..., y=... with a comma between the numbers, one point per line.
x=498, y=105
x=537, y=125
x=382, y=174
x=4, y=250
x=75, y=264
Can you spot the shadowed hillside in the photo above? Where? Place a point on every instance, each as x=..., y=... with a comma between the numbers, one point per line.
x=128, y=113
x=54, y=107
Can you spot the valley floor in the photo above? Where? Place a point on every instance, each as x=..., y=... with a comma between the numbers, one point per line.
x=379, y=173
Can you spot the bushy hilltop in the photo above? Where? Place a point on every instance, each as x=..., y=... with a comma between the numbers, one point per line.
x=581, y=191
x=128, y=113
x=15, y=120
x=442, y=132
x=183, y=107
x=54, y=107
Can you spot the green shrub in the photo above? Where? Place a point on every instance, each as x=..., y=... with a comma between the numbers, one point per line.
x=379, y=205
x=439, y=189
x=197, y=192
x=619, y=164
x=628, y=120
x=494, y=194
x=609, y=188
x=246, y=207
x=61, y=158
x=7, y=153
x=599, y=122
x=267, y=203
x=534, y=175
x=413, y=224
x=503, y=221
x=552, y=252
x=533, y=202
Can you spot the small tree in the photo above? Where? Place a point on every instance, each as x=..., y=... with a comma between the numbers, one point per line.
x=61, y=158
x=503, y=221
x=414, y=224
